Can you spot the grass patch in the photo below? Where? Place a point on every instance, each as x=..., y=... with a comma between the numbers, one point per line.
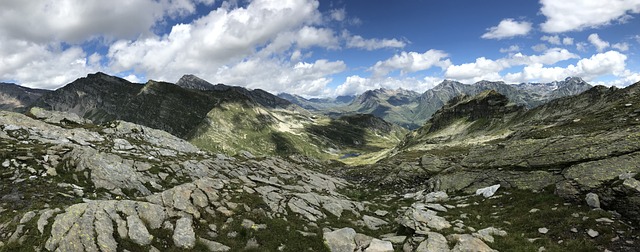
x=514, y=206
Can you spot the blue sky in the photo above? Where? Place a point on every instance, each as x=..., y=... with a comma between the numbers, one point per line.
x=320, y=48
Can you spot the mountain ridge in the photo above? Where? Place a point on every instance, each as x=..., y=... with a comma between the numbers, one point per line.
x=411, y=109
x=14, y=97
x=460, y=182
x=220, y=118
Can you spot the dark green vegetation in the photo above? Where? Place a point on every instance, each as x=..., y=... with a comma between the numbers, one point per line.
x=234, y=127
x=521, y=213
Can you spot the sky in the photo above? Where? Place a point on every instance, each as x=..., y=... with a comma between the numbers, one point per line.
x=320, y=48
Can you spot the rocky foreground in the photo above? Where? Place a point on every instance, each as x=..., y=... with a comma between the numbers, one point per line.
x=69, y=185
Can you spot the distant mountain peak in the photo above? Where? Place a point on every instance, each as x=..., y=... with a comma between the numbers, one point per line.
x=190, y=81
x=449, y=82
x=571, y=81
x=104, y=76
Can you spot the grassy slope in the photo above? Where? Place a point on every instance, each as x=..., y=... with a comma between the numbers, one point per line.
x=234, y=127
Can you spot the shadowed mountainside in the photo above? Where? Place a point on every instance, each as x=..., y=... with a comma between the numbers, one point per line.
x=17, y=98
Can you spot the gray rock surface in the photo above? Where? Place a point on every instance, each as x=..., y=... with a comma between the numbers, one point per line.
x=57, y=117
x=486, y=234
x=135, y=181
x=341, y=240
x=184, y=236
x=434, y=242
x=138, y=231
x=373, y=223
x=379, y=246
x=421, y=219
x=213, y=246
x=593, y=200
x=466, y=243
x=488, y=191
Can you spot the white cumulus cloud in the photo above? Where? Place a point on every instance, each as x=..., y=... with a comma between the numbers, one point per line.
x=488, y=69
x=549, y=57
x=303, y=78
x=554, y=40
x=221, y=38
x=581, y=46
x=510, y=49
x=567, y=41
x=508, y=28
x=623, y=47
x=607, y=63
x=600, y=44
x=373, y=44
x=539, y=47
x=408, y=62
x=38, y=66
x=76, y=21
x=572, y=15
x=481, y=69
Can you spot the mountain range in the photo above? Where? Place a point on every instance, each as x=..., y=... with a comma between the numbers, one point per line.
x=411, y=109
x=233, y=119
x=221, y=118
x=104, y=164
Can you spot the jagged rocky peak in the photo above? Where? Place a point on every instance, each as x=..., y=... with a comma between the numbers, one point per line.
x=571, y=81
x=447, y=83
x=191, y=81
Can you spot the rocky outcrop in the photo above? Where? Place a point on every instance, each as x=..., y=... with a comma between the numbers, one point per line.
x=103, y=98
x=488, y=105
x=341, y=240
x=122, y=183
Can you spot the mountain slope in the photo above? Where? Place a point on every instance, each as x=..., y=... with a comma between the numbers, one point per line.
x=411, y=110
x=572, y=146
x=138, y=189
x=102, y=98
x=397, y=106
x=465, y=120
x=17, y=98
x=219, y=118
x=529, y=95
x=235, y=127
